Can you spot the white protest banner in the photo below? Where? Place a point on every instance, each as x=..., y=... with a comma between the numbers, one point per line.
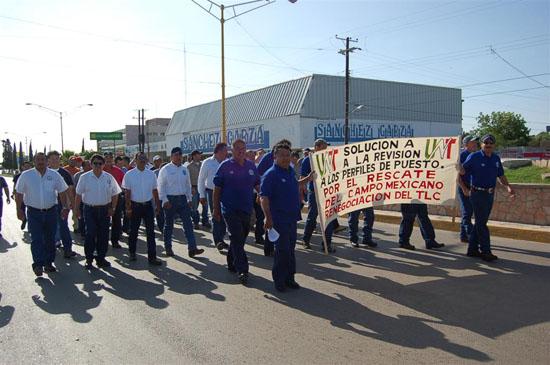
x=385, y=171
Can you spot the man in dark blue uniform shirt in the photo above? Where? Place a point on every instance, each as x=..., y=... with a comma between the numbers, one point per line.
x=235, y=181
x=485, y=167
x=466, y=227
x=281, y=205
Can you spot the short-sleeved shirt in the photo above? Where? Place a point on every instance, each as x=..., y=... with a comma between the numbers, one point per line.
x=3, y=184
x=237, y=183
x=265, y=163
x=39, y=191
x=281, y=187
x=174, y=180
x=484, y=169
x=141, y=184
x=194, y=169
x=66, y=176
x=97, y=191
x=71, y=170
x=117, y=173
x=305, y=170
x=467, y=176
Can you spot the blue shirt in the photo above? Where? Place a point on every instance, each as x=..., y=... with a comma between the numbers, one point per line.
x=484, y=169
x=265, y=163
x=237, y=183
x=281, y=187
x=305, y=170
x=463, y=156
x=67, y=177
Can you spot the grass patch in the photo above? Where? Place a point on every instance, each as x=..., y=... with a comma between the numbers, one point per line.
x=527, y=174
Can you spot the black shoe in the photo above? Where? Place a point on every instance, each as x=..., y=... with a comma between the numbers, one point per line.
x=307, y=246
x=69, y=255
x=195, y=252
x=269, y=254
x=169, y=252
x=407, y=246
x=155, y=262
x=329, y=250
x=89, y=265
x=116, y=245
x=260, y=241
x=354, y=244
x=220, y=246
x=434, y=244
x=207, y=225
x=38, y=270
x=77, y=231
x=473, y=254
x=103, y=263
x=464, y=240
x=243, y=277
x=225, y=245
x=370, y=243
x=196, y=226
x=280, y=288
x=231, y=268
x=488, y=257
x=50, y=268
x=339, y=229
x=133, y=256
x=293, y=285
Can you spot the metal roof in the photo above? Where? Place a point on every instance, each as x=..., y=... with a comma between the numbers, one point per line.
x=322, y=97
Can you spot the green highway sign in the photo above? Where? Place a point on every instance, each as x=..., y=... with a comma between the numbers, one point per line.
x=105, y=135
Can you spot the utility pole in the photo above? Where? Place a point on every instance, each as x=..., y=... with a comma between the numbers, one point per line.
x=346, y=52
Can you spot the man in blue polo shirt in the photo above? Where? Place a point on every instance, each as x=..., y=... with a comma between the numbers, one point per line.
x=466, y=227
x=485, y=167
x=235, y=182
x=281, y=206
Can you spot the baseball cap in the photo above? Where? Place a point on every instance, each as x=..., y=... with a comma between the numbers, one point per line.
x=157, y=157
x=469, y=139
x=175, y=150
x=488, y=136
x=307, y=149
x=196, y=152
x=108, y=153
x=320, y=141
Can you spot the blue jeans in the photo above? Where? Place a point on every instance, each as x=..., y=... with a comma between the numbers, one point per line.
x=368, y=223
x=482, y=202
x=409, y=212
x=311, y=221
x=146, y=213
x=238, y=225
x=160, y=216
x=218, y=228
x=42, y=226
x=64, y=230
x=284, y=263
x=179, y=206
x=466, y=226
x=196, y=204
x=81, y=226
x=96, y=221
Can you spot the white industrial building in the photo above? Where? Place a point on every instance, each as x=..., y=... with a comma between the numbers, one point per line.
x=312, y=107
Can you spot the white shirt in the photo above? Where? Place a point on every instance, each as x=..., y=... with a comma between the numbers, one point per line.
x=206, y=175
x=97, y=191
x=174, y=180
x=39, y=191
x=141, y=184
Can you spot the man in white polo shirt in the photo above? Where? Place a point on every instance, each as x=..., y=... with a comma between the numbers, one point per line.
x=140, y=187
x=99, y=192
x=38, y=188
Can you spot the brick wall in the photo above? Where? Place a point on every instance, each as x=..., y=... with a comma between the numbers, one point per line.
x=531, y=206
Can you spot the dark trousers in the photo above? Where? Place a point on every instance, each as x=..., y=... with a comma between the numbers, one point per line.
x=419, y=211
x=368, y=223
x=42, y=226
x=116, y=224
x=237, y=224
x=311, y=221
x=482, y=202
x=259, y=230
x=196, y=203
x=125, y=220
x=1, y=209
x=218, y=227
x=96, y=221
x=178, y=206
x=81, y=225
x=284, y=263
x=467, y=209
x=64, y=232
x=145, y=212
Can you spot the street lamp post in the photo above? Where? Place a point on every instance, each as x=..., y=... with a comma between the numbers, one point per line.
x=222, y=21
x=55, y=112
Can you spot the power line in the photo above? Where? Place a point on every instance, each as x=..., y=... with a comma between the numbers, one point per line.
x=515, y=68
x=505, y=92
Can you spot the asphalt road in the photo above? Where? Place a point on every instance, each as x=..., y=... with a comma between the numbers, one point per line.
x=383, y=305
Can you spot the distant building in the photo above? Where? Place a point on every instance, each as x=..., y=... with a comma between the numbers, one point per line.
x=312, y=107
x=155, y=138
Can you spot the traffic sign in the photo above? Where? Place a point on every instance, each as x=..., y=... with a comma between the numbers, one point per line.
x=99, y=136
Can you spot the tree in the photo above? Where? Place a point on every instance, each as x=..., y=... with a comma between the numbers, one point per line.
x=539, y=138
x=14, y=157
x=509, y=129
x=21, y=155
x=82, y=150
x=31, y=156
x=65, y=157
x=7, y=155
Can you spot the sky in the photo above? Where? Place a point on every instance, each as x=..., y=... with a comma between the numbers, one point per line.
x=165, y=55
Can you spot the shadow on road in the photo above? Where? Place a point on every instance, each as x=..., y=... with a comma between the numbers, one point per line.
x=5, y=245
x=6, y=313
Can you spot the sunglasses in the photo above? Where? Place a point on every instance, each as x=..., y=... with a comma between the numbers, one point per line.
x=98, y=163
x=488, y=143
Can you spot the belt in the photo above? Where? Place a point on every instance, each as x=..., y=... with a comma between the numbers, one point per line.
x=98, y=206
x=42, y=210
x=144, y=203
x=175, y=196
x=487, y=190
x=208, y=189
